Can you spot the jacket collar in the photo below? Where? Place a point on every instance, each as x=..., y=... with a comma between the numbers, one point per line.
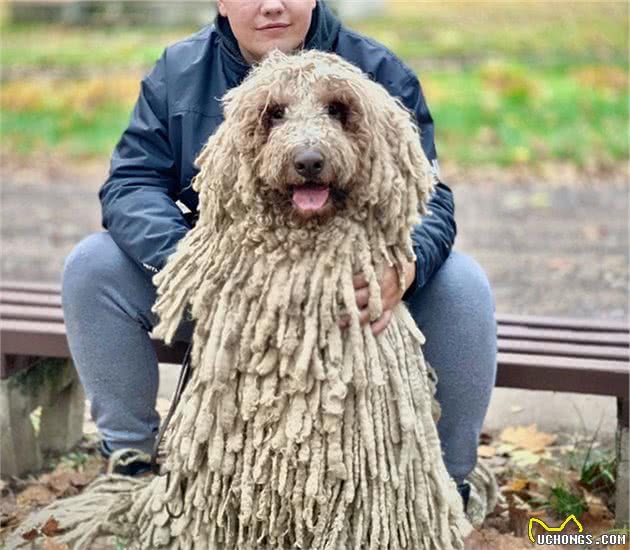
x=321, y=35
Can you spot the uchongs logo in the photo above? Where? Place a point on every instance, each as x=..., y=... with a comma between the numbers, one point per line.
x=530, y=530
x=555, y=535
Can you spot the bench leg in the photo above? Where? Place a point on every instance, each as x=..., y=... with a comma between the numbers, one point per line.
x=52, y=384
x=61, y=424
x=622, y=496
x=19, y=451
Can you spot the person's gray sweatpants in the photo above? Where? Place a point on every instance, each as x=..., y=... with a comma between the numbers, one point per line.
x=107, y=303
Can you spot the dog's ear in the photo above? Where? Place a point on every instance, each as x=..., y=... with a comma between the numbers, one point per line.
x=228, y=160
x=216, y=182
x=401, y=179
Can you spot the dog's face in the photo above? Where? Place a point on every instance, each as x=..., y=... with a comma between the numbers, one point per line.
x=308, y=146
x=310, y=137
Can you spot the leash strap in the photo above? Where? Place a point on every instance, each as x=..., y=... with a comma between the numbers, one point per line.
x=184, y=376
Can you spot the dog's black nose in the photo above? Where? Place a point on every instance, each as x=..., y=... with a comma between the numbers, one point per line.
x=308, y=163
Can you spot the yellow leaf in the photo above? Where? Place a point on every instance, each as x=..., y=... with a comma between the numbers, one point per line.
x=486, y=451
x=517, y=484
x=527, y=438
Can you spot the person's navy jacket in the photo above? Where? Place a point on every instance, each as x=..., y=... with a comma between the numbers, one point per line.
x=178, y=109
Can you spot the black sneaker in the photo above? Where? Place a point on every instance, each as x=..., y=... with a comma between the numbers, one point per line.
x=464, y=491
x=126, y=462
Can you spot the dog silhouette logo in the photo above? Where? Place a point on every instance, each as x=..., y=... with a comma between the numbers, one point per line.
x=546, y=527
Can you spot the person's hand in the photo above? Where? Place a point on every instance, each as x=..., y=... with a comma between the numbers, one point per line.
x=391, y=295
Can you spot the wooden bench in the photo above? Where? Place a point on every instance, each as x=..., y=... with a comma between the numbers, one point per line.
x=36, y=371
x=572, y=355
x=537, y=353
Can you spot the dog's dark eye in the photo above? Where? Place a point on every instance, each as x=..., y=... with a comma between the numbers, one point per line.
x=276, y=113
x=338, y=110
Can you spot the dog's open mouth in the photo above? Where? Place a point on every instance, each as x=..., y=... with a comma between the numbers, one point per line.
x=310, y=197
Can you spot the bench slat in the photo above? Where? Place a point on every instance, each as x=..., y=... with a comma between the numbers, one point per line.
x=565, y=336
x=30, y=299
x=33, y=338
x=25, y=286
x=534, y=321
x=618, y=353
x=31, y=313
x=563, y=374
x=566, y=363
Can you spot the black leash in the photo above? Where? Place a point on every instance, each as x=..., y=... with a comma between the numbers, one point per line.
x=184, y=376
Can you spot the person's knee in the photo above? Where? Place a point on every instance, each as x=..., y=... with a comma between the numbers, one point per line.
x=91, y=263
x=462, y=279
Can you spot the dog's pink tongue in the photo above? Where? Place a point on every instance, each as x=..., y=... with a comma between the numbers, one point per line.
x=310, y=197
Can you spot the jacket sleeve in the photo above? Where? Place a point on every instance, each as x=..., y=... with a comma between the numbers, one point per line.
x=432, y=239
x=138, y=198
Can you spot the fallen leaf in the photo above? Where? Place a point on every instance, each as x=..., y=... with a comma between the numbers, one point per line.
x=60, y=484
x=523, y=491
x=517, y=484
x=523, y=457
x=505, y=448
x=65, y=483
x=51, y=527
x=528, y=438
x=66, y=479
x=30, y=535
x=486, y=451
x=597, y=518
x=35, y=495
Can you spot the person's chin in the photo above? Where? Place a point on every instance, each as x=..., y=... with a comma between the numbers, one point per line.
x=284, y=45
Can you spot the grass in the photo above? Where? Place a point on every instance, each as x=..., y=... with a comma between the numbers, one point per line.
x=507, y=83
x=78, y=118
x=75, y=460
x=82, y=50
x=554, y=33
x=510, y=114
x=564, y=502
x=598, y=469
